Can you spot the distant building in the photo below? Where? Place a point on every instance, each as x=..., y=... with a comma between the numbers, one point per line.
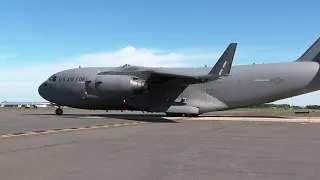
x=26, y=104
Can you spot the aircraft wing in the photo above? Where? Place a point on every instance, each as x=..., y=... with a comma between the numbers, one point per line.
x=221, y=68
x=178, y=78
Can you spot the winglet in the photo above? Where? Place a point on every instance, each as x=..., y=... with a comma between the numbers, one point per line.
x=312, y=54
x=223, y=65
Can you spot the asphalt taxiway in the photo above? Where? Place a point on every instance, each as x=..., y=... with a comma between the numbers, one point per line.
x=16, y=121
x=132, y=146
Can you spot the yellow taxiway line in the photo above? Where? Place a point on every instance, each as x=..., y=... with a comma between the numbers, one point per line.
x=2, y=136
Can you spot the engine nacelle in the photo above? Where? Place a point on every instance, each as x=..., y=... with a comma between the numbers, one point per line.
x=115, y=85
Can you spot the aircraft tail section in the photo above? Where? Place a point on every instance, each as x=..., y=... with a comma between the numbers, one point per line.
x=223, y=65
x=312, y=54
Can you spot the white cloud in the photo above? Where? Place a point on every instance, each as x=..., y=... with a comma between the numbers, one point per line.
x=21, y=83
x=143, y=57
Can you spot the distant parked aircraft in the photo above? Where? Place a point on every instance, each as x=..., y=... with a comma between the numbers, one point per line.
x=26, y=104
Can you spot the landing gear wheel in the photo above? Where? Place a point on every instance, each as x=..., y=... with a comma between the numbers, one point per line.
x=59, y=111
x=191, y=115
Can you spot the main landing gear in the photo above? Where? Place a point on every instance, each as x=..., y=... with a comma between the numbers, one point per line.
x=174, y=114
x=181, y=114
x=59, y=111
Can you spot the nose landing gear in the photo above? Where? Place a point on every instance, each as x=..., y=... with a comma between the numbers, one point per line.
x=59, y=111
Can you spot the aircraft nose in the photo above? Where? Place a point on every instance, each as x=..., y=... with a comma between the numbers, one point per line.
x=41, y=89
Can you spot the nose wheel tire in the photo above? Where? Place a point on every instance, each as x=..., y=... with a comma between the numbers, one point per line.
x=59, y=111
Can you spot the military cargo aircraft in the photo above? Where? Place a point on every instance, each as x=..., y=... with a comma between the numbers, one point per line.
x=183, y=91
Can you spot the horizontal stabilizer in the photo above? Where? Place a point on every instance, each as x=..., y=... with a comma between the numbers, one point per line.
x=312, y=54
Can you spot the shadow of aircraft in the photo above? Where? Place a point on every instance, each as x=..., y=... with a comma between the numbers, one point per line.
x=152, y=118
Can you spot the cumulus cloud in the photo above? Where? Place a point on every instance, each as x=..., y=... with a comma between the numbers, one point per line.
x=20, y=83
x=143, y=57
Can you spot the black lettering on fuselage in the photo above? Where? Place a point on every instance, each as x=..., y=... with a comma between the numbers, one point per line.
x=80, y=79
x=71, y=79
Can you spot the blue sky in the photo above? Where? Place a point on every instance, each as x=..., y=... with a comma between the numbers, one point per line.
x=40, y=34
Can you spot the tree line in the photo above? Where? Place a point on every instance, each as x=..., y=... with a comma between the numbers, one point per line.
x=284, y=106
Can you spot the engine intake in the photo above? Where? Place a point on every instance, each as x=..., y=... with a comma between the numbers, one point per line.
x=139, y=85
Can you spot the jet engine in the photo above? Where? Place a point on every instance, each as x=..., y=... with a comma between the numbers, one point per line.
x=115, y=85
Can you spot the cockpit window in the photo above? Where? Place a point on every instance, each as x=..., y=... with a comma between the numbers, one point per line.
x=53, y=78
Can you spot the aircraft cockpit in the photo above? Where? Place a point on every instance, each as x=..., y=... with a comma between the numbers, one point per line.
x=125, y=65
x=128, y=67
x=52, y=78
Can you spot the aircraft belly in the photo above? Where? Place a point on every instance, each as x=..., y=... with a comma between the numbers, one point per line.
x=183, y=109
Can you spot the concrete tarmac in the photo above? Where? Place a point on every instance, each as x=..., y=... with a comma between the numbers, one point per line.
x=42, y=119
x=160, y=149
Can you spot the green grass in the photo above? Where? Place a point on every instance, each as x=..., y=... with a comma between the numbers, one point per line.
x=279, y=111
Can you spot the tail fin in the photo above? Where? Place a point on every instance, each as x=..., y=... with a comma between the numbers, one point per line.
x=223, y=65
x=312, y=54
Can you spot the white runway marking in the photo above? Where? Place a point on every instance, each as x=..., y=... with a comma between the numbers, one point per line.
x=91, y=117
x=301, y=120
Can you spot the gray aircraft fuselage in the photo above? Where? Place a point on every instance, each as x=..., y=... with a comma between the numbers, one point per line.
x=249, y=85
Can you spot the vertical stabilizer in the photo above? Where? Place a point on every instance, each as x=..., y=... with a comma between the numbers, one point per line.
x=312, y=54
x=224, y=64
